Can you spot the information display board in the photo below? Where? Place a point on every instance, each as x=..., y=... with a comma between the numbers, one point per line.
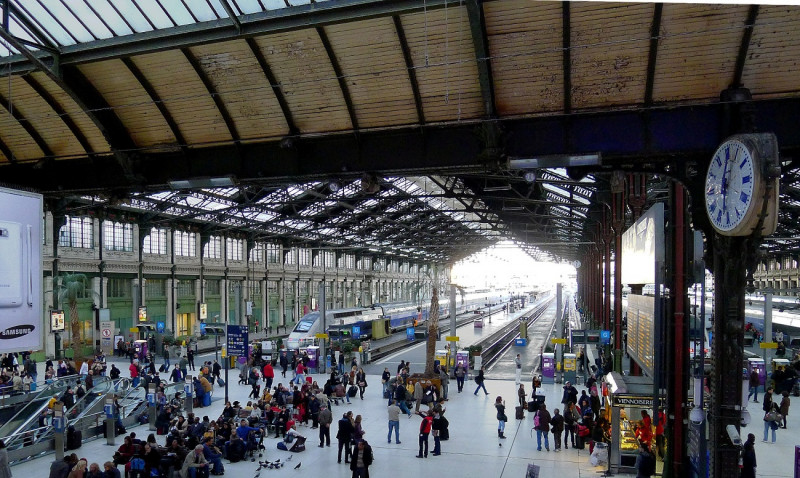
x=641, y=330
x=237, y=340
x=643, y=247
x=21, y=319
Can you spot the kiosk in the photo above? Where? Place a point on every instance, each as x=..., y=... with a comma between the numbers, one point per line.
x=140, y=346
x=548, y=367
x=627, y=397
x=313, y=358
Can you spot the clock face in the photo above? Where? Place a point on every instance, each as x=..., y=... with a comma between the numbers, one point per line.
x=730, y=184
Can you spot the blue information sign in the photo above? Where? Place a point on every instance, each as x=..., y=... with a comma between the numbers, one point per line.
x=160, y=326
x=202, y=328
x=605, y=337
x=237, y=340
x=410, y=333
x=356, y=331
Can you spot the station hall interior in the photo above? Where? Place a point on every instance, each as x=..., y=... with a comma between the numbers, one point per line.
x=170, y=169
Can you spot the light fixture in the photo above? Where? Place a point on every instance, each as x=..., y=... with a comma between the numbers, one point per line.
x=513, y=208
x=555, y=161
x=203, y=183
x=334, y=186
x=491, y=189
x=529, y=176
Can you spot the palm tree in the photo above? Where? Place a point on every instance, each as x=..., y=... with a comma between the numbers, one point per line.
x=433, y=332
x=70, y=289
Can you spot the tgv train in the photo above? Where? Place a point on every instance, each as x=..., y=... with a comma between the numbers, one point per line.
x=357, y=322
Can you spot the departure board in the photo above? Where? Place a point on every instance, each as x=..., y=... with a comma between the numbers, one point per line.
x=641, y=330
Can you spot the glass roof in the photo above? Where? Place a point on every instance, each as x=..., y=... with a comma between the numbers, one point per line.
x=57, y=23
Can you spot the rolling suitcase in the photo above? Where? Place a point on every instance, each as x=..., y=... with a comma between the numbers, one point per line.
x=533, y=406
x=520, y=414
x=352, y=391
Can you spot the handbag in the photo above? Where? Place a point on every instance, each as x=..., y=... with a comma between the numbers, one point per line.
x=772, y=416
x=504, y=417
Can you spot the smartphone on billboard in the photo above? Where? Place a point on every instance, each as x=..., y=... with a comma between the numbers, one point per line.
x=11, y=273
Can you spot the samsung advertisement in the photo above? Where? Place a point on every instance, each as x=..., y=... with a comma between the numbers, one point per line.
x=21, y=318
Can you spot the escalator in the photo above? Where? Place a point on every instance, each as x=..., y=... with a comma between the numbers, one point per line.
x=24, y=428
x=34, y=407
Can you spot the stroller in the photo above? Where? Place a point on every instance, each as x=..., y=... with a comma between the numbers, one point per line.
x=255, y=443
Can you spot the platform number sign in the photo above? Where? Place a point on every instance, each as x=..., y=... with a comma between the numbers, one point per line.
x=356, y=331
x=605, y=337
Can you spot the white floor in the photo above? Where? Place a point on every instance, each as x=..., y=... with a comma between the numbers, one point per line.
x=472, y=451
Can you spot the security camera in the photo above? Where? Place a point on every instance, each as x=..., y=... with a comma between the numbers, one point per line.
x=697, y=416
x=733, y=434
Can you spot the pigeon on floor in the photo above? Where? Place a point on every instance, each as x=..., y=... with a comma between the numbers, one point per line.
x=289, y=459
x=298, y=466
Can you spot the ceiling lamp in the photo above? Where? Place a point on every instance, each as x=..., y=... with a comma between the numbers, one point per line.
x=555, y=161
x=203, y=183
x=334, y=186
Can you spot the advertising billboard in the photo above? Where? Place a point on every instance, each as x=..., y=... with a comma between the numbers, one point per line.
x=21, y=317
x=57, y=320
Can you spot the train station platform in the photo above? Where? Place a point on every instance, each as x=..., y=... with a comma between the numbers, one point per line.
x=473, y=449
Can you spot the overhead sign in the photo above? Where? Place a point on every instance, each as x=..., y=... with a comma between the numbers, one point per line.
x=160, y=326
x=769, y=345
x=321, y=336
x=143, y=313
x=21, y=300
x=643, y=247
x=57, y=320
x=558, y=341
x=410, y=333
x=452, y=338
x=356, y=331
x=134, y=329
x=237, y=340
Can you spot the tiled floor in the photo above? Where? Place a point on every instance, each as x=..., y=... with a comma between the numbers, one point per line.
x=472, y=451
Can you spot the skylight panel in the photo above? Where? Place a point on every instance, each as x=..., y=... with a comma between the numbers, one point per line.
x=247, y=6
x=201, y=10
x=132, y=15
x=155, y=13
x=178, y=12
x=111, y=18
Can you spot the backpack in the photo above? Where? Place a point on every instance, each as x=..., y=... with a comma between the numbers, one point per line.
x=80, y=392
x=536, y=420
x=137, y=464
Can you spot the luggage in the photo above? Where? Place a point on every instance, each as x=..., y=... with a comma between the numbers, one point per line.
x=352, y=391
x=533, y=406
x=520, y=414
x=386, y=394
x=207, y=400
x=162, y=368
x=220, y=382
x=282, y=446
x=74, y=438
x=580, y=443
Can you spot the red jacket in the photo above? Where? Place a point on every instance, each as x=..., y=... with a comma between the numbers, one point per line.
x=268, y=372
x=134, y=370
x=425, y=425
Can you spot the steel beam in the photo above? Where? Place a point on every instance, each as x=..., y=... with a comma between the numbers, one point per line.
x=750, y=23
x=337, y=70
x=60, y=112
x=7, y=152
x=162, y=108
x=91, y=102
x=223, y=110
x=480, y=43
x=655, y=35
x=566, y=55
x=234, y=19
x=27, y=126
x=412, y=72
x=271, y=21
x=277, y=88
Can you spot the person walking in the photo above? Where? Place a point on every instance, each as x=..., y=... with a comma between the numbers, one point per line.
x=424, y=431
x=784, y=407
x=749, y=457
x=361, y=381
x=361, y=459
x=755, y=381
x=541, y=423
x=518, y=371
x=394, y=422
x=557, y=427
x=460, y=373
x=480, y=381
x=166, y=358
x=344, y=434
x=385, y=377
x=190, y=357
x=325, y=420
x=500, y=405
x=444, y=379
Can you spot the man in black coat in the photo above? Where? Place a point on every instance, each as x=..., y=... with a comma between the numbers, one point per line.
x=361, y=459
x=343, y=435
